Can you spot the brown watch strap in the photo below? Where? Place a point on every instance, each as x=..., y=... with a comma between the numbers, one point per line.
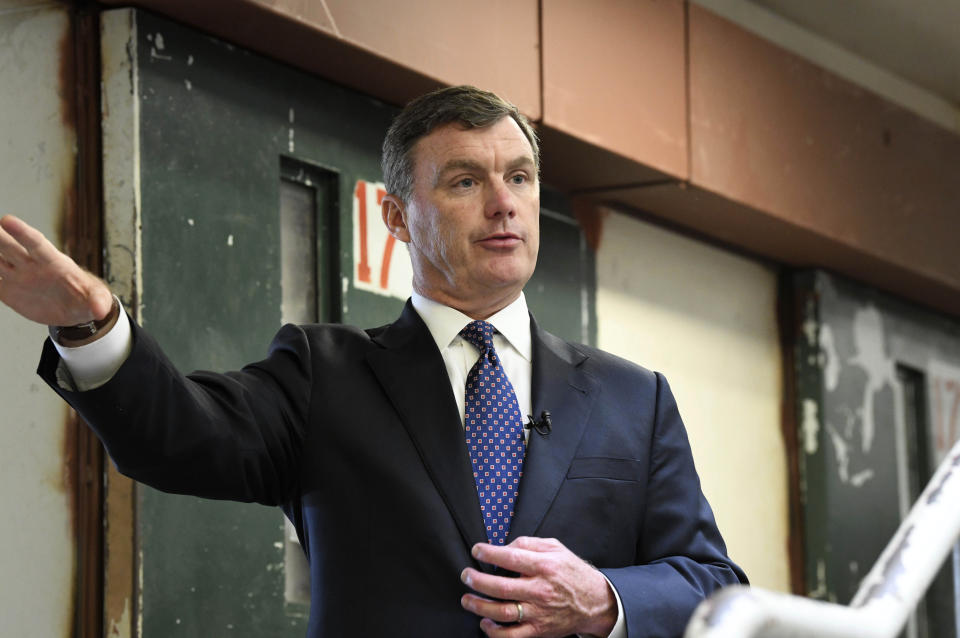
x=83, y=333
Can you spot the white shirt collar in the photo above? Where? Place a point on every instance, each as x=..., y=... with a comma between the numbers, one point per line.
x=445, y=323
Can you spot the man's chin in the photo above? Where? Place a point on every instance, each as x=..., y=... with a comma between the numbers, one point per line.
x=508, y=270
x=506, y=284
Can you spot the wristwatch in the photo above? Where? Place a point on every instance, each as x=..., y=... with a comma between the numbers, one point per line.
x=83, y=333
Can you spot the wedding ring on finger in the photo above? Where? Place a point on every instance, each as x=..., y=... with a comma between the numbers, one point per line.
x=519, y=613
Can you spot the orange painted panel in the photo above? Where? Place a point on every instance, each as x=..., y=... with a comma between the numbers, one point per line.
x=493, y=44
x=391, y=50
x=785, y=137
x=613, y=76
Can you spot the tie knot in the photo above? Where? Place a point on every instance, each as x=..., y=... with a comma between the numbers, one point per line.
x=480, y=334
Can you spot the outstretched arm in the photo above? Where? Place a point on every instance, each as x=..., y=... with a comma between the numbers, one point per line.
x=43, y=284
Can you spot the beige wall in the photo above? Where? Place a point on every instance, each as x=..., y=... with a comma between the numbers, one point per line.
x=36, y=178
x=706, y=318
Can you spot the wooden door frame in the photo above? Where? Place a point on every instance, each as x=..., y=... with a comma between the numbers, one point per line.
x=82, y=240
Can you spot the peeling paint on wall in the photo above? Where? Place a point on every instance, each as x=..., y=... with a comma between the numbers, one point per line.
x=121, y=157
x=810, y=330
x=857, y=481
x=122, y=265
x=830, y=360
x=810, y=425
x=872, y=358
x=291, y=147
x=119, y=627
x=820, y=592
x=841, y=450
x=158, y=46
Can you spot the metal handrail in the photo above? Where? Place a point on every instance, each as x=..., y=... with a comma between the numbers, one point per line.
x=886, y=596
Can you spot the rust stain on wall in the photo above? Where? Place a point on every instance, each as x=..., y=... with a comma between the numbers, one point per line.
x=67, y=80
x=78, y=230
x=70, y=469
x=591, y=216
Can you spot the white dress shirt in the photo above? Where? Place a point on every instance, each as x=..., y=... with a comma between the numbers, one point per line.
x=511, y=341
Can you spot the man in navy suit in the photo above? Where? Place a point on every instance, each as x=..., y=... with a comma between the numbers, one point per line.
x=368, y=438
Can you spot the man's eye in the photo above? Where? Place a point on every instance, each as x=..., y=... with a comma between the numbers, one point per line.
x=466, y=182
x=518, y=179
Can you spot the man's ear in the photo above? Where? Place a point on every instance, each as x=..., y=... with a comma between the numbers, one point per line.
x=395, y=217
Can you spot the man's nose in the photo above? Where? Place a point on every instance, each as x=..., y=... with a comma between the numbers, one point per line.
x=500, y=200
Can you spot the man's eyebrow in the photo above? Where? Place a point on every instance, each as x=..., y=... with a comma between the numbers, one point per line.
x=522, y=161
x=457, y=165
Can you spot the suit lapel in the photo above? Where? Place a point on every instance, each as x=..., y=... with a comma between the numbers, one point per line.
x=561, y=388
x=412, y=374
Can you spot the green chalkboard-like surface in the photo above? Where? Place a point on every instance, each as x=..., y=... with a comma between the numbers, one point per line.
x=873, y=375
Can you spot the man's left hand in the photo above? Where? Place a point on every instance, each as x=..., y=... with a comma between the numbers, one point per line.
x=556, y=593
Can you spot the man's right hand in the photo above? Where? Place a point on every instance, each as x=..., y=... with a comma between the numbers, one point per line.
x=43, y=284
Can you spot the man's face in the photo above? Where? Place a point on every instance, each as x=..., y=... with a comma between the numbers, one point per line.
x=472, y=222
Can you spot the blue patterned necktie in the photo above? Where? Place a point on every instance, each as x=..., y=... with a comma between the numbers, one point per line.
x=494, y=431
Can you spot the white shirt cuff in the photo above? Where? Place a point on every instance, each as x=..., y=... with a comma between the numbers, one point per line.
x=93, y=364
x=620, y=627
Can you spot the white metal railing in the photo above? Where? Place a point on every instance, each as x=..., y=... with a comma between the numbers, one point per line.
x=886, y=596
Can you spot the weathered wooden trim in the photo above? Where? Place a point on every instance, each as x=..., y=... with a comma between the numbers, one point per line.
x=789, y=325
x=83, y=242
x=123, y=271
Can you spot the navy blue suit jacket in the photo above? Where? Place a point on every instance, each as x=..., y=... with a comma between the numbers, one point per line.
x=357, y=436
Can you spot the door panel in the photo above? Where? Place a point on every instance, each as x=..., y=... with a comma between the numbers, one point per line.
x=870, y=371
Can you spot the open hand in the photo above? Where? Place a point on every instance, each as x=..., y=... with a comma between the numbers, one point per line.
x=43, y=284
x=556, y=593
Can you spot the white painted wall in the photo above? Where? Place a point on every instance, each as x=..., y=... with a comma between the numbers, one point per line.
x=37, y=554
x=706, y=318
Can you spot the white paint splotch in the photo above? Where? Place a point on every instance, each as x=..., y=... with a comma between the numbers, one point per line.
x=871, y=356
x=291, y=144
x=830, y=359
x=841, y=449
x=157, y=47
x=810, y=426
